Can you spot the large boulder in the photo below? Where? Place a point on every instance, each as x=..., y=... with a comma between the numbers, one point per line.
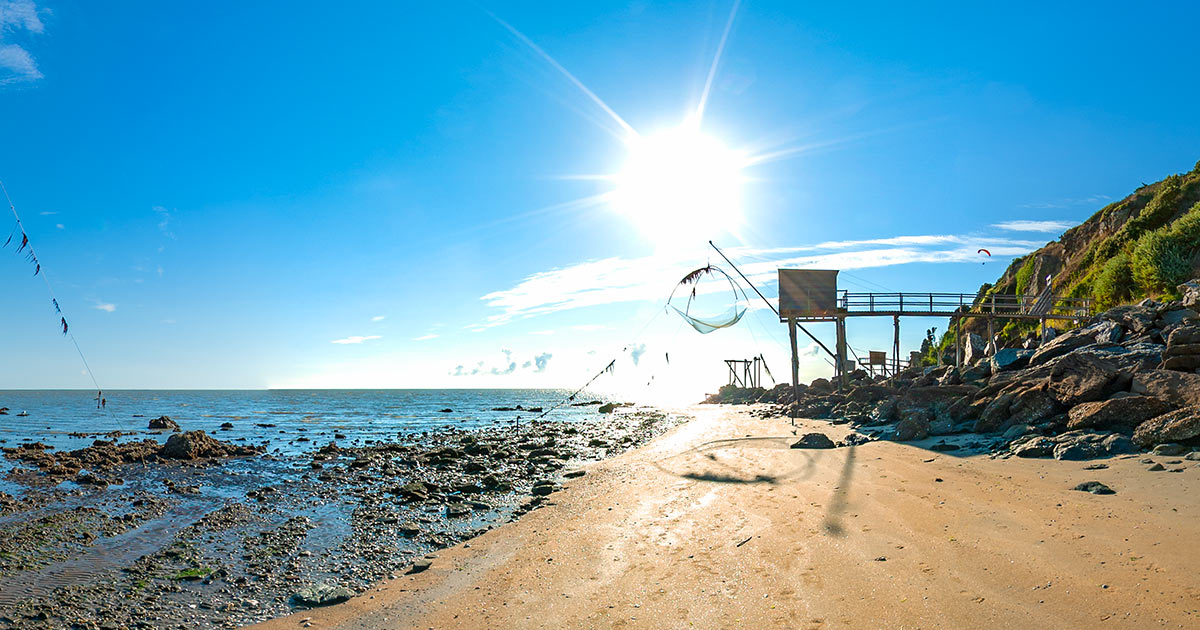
x=1123, y=412
x=197, y=444
x=974, y=348
x=164, y=423
x=1010, y=359
x=1106, y=331
x=1136, y=317
x=1079, y=378
x=1175, y=426
x=1175, y=388
x=914, y=425
x=1032, y=405
x=1060, y=345
x=1184, y=335
x=995, y=413
x=814, y=440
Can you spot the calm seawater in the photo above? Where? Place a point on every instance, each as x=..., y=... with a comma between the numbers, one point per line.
x=287, y=421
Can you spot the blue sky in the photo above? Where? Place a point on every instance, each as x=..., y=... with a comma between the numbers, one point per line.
x=219, y=192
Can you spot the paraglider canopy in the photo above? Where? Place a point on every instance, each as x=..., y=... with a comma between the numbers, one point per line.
x=734, y=295
x=984, y=251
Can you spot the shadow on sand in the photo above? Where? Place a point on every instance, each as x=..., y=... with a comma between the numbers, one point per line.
x=838, y=502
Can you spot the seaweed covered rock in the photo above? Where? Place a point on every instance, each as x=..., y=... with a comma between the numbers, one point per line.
x=1176, y=426
x=197, y=444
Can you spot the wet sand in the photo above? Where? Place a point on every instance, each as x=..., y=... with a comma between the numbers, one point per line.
x=719, y=524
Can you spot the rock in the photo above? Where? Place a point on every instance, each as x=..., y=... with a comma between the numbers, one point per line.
x=1135, y=317
x=606, y=408
x=941, y=425
x=995, y=413
x=1010, y=359
x=1094, y=487
x=973, y=348
x=1017, y=430
x=1179, y=425
x=1177, y=316
x=1121, y=412
x=1175, y=388
x=164, y=423
x=323, y=594
x=814, y=440
x=1156, y=468
x=1105, y=331
x=912, y=428
x=197, y=444
x=409, y=529
x=1183, y=364
x=1194, y=456
x=1078, y=451
x=1079, y=378
x=574, y=474
x=1032, y=405
x=1038, y=446
x=944, y=446
x=420, y=565
x=1170, y=449
x=1184, y=335
x=1061, y=345
x=854, y=439
x=1117, y=444
x=1191, y=293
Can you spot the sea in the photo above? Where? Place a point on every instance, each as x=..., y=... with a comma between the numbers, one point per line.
x=285, y=422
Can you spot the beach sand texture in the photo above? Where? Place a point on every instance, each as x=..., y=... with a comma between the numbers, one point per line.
x=719, y=524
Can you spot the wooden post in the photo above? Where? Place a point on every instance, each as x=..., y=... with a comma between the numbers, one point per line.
x=795, y=366
x=896, y=347
x=991, y=342
x=841, y=353
x=957, y=345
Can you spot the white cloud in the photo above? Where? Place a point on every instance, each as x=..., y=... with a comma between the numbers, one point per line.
x=505, y=366
x=60, y=226
x=47, y=213
x=588, y=327
x=356, y=339
x=105, y=306
x=1034, y=226
x=379, y=318
x=1067, y=203
x=651, y=278
x=425, y=337
x=542, y=332
x=164, y=222
x=16, y=64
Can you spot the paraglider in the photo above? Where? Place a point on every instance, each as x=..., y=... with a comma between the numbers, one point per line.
x=707, y=324
x=984, y=251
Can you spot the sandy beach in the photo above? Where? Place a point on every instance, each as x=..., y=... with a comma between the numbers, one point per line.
x=719, y=524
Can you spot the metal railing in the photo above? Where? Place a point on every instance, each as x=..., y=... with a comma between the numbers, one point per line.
x=1043, y=305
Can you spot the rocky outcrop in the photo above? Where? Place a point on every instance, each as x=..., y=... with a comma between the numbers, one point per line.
x=1174, y=388
x=164, y=423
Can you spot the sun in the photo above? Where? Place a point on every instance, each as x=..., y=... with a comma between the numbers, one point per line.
x=680, y=185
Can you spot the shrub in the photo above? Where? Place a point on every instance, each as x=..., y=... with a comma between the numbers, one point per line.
x=1024, y=274
x=1159, y=262
x=1114, y=283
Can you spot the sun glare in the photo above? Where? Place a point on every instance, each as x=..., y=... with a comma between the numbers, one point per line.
x=680, y=185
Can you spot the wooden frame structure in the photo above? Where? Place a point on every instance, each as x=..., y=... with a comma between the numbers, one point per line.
x=751, y=372
x=957, y=306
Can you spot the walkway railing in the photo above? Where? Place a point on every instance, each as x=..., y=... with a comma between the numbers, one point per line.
x=945, y=304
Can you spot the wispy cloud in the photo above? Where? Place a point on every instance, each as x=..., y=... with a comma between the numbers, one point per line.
x=164, y=221
x=650, y=278
x=1068, y=203
x=356, y=339
x=588, y=327
x=425, y=337
x=60, y=226
x=505, y=366
x=16, y=64
x=105, y=306
x=1034, y=226
x=379, y=318
x=47, y=213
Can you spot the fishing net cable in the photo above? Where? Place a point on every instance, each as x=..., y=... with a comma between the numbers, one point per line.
x=25, y=244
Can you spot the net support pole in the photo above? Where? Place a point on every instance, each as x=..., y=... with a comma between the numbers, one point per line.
x=841, y=354
x=795, y=369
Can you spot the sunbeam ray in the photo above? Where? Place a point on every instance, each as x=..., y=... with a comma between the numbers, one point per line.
x=566, y=73
x=712, y=70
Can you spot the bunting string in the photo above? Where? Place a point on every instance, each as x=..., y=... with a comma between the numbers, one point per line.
x=33, y=259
